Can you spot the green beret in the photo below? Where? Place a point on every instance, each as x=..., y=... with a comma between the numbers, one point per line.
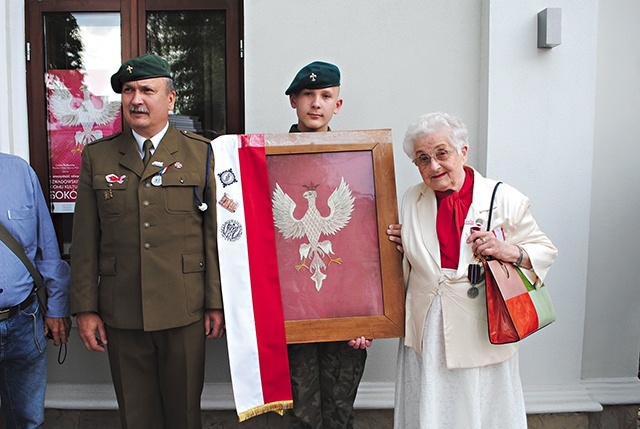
x=314, y=76
x=146, y=66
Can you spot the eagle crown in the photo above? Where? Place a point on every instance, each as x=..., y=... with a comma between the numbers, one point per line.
x=311, y=186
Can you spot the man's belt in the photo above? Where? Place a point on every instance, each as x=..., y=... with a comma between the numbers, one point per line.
x=8, y=312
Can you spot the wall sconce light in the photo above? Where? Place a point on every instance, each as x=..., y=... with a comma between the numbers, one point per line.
x=549, y=27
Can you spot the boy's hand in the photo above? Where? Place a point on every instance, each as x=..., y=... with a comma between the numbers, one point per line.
x=360, y=343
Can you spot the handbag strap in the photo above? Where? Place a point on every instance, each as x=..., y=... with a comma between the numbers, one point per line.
x=15, y=247
x=493, y=198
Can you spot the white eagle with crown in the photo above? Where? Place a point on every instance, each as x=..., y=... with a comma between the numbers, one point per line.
x=86, y=114
x=313, y=225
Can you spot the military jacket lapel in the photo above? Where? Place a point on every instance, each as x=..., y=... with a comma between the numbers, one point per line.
x=131, y=159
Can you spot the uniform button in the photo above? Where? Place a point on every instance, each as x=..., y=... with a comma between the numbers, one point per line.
x=146, y=224
x=147, y=185
x=145, y=203
x=181, y=180
x=201, y=264
x=147, y=246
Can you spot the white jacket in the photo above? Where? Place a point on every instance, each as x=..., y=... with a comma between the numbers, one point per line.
x=465, y=319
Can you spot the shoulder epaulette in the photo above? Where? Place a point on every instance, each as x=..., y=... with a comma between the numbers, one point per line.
x=106, y=139
x=195, y=136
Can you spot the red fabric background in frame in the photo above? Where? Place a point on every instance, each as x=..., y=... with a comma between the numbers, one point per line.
x=354, y=287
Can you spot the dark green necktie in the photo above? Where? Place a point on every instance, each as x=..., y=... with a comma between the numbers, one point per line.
x=147, y=151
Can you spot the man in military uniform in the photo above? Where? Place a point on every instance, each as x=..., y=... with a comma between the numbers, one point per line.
x=145, y=279
x=324, y=376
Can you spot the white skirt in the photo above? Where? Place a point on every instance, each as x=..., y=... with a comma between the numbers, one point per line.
x=430, y=396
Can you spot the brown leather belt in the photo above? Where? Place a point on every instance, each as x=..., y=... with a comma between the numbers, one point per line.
x=6, y=313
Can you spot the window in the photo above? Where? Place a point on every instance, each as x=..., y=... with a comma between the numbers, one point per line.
x=74, y=47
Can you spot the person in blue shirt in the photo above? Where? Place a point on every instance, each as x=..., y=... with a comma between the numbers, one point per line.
x=23, y=324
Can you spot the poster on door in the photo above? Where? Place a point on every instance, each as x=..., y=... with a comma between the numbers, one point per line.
x=76, y=117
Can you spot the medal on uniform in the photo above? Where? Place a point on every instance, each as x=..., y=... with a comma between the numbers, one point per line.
x=473, y=274
x=157, y=179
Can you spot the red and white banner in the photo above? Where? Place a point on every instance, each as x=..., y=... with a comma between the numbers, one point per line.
x=249, y=273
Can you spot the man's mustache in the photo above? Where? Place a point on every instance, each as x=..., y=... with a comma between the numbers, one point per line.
x=134, y=109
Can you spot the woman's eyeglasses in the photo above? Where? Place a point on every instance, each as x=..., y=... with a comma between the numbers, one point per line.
x=424, y=160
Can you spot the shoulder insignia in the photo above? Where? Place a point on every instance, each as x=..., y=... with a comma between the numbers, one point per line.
x=195, y=136
x=105, y=139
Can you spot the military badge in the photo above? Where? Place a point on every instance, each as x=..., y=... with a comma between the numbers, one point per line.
x=227, y=177
x=231, y=230
x=114, y=178
x=228, y=203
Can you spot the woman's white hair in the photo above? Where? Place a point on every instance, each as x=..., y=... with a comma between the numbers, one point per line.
x=448, y=125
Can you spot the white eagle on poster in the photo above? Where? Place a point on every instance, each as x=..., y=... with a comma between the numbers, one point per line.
x=312, y=225
x=62, y=106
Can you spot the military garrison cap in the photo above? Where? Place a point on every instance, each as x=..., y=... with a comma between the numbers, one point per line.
x=146, y=66
x=316, y=75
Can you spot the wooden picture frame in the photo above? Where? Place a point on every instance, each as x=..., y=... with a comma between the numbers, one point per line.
x=303, y=153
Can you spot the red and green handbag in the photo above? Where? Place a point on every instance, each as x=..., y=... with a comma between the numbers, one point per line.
x=515, y=307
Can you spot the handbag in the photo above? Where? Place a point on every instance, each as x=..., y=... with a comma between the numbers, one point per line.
x=515, y=307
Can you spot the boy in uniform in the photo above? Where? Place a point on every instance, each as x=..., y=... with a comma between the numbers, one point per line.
x=324, y=376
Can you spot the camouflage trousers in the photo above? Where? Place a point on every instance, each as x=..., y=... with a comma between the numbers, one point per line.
x=324, y=379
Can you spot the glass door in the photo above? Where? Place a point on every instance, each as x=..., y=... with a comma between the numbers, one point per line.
x=74, y=46
x=194, y=44
x=82, y=50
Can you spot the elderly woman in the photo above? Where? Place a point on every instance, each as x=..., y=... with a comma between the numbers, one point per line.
x=449, y=374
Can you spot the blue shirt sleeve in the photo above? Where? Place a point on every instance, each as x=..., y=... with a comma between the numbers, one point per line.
x=24, y=212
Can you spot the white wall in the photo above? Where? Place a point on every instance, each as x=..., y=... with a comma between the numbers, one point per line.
x=613, y=297
x=14, y=136
x=542, y=120
x=398, y=60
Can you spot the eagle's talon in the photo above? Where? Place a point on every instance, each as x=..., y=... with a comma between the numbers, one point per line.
x=336, y=260
x=300, y=266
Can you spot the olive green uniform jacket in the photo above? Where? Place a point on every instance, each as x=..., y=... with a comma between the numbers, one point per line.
x=143, y=255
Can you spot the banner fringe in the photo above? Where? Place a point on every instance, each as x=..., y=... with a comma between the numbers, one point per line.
x=278, y=407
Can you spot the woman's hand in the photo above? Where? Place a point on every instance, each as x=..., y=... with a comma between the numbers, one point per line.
x=485, y=243
x=394, y=232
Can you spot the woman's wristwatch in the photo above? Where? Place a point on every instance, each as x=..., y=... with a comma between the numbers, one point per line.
x=519, y=261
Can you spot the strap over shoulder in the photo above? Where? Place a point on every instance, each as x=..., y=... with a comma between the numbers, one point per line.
x=493, y=198
x=16, y=247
